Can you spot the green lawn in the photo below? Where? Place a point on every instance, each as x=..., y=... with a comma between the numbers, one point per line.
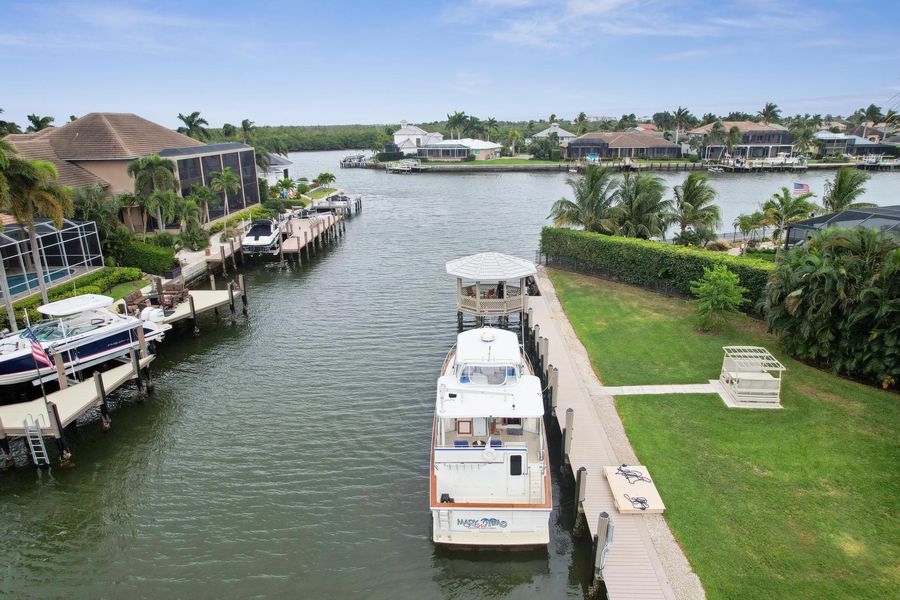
x=123, y=289
x=793, y=503
x=321, y=192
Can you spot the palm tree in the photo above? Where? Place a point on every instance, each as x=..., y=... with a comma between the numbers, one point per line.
x=228, y=130
x=38, y=123
x=693, y=205
x=681, y=118
x=194, y=126
x=163, y=203
x=247, y=128
x=490, y=126
x=6, y=149
x=581, y=119
x=640, y=209
x=457, y=122
x=804, y=139
x=473, y=127
x=152, y=173
x=716, y=136
x=770, y=113
x=34, y=192
x=92, y=203
x=514, y=136
x=783, y=208
x=187, y=212
x=733, y=139
x=324, y=179
x=592, y=208
x=263, y=158
x=8, y=126
x=552, y=118
x=127, y=200
x=287, y=184
x=225, y=181
x=204, y=197
x=841, y=192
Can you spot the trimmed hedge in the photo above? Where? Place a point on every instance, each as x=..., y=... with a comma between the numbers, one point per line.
x=643, y=262
x=147, y=257
x=257, y=211
x=98, y=282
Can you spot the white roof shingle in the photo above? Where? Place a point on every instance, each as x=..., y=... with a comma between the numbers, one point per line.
x=490, y=266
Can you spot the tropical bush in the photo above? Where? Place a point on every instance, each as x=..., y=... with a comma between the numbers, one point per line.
x=254, y=212
x=644, y=262
x=718, y=293
x=835, y=301
x=388, y=156
x=148, y=258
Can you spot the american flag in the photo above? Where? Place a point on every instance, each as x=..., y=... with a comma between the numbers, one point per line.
x=800, y=189
x=37, y=351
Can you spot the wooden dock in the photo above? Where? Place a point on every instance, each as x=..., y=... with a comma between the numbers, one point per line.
x=631, y=568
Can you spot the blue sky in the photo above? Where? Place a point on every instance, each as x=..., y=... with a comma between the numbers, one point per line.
x=374, y=62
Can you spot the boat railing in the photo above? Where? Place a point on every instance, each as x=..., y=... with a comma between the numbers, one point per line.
x=489, y=306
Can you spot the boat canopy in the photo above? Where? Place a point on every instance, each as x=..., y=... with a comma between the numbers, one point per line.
x=75, y=305
x=490, y=266
x=456, y=402
x=488, y=345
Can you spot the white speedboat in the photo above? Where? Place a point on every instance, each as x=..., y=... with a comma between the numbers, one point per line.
x=82, y=330
x=490, y=469
x=264, y=237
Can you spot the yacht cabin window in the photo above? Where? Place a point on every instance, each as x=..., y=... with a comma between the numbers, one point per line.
x=487, y=374
x=515, y=464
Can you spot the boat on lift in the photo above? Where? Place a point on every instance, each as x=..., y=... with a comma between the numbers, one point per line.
x=82, y=330
x=264, y=237
x=490, y=469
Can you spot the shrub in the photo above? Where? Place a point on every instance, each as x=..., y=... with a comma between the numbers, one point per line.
x=718, y=292
x=644, y=262
x=194, y=238
x=389, y=156
x=718, y=246
x=833, y=301
x=148, y=258
x=162, y=239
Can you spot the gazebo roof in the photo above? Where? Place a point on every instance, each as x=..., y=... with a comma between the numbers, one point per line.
x=490, y=266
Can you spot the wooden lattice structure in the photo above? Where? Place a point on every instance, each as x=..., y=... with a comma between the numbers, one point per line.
x=750, y=374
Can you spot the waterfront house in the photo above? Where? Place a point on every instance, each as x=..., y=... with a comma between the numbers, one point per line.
x=98, y=147
x=758, y=140
x=456, y=150
x=622, y=144
x=409, y=138
x=564, y=136
x=838, y=144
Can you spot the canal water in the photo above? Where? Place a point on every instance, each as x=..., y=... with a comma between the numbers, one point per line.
x=286, y=456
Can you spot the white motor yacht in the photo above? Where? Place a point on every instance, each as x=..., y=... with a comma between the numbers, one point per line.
x=264, y=237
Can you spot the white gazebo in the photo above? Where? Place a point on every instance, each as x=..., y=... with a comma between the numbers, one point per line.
x=491, y=284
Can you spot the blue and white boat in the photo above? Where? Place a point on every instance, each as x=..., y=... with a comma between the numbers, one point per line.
x=82, y=330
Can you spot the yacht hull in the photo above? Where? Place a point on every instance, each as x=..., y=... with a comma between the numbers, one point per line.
x=491, y=526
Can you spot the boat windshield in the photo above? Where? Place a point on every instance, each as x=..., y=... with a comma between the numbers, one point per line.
x=47, y=331
x=487, y=374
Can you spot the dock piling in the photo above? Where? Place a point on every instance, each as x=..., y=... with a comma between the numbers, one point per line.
x=222, y=256
x=580, y=487
x=567, y=435
x=4, y=446
x=231, y=302
x=554, y=388
x=601, y=544
x=243, y=292
x=233, y=257
x=60, y=370
x=65, y=456
x=105, y=421
x=136, y=368
x=194, y=314
x=212, y=286
x=142, y=341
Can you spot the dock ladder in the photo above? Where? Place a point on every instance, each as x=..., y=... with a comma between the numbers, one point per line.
x=35, y=442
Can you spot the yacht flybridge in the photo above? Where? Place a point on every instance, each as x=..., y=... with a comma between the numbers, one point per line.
x=82, y=330
x=490, y=473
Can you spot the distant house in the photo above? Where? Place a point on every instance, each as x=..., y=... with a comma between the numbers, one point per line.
x=409, y=138
x=647, y=127
x=758, y=140
x=837, y=144
x=98, y=147
x=622, y=144
x=564, y=136
x=455, y=150
x=874, y=132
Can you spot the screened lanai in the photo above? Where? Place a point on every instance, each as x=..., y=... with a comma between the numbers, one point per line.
x=885, y=218
x=65, y=253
